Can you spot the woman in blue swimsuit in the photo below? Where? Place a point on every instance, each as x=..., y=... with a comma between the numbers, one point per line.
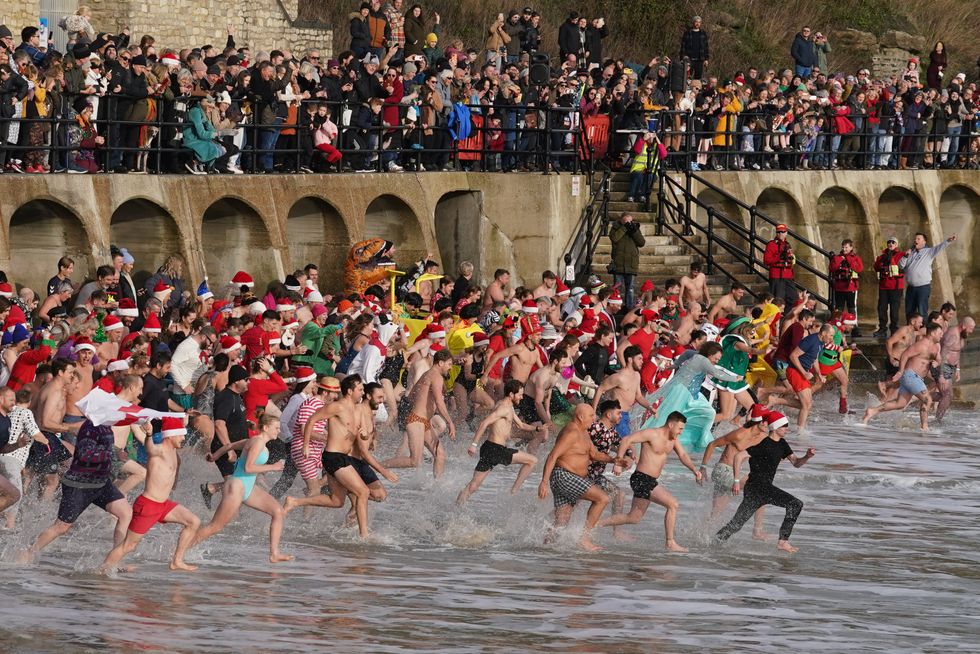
x=240, y=487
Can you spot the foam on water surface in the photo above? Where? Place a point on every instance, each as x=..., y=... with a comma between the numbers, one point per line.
x=887, y=562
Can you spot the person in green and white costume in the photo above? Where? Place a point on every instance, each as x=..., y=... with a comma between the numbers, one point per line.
x=682, y=392
x=737, y=350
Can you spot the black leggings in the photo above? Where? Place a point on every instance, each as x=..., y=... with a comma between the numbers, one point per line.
x=755, y=498
x=285, y=480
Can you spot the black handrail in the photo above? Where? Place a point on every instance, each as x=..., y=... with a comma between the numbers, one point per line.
x=676, y=201
x=592, y=227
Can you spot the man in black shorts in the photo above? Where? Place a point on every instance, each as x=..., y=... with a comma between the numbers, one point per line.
x=656, y=445
x=88, y=481
x=230, y=426
x=362, y=458
x=500, y=423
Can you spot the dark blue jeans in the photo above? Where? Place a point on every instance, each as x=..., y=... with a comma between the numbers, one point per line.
x=267, y=141
x=917, y=300
x=625, y=282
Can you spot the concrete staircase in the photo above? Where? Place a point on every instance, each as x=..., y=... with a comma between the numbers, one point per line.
x=663, y=257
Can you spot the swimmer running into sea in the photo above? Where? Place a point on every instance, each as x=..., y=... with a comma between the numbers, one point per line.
x=240, y=487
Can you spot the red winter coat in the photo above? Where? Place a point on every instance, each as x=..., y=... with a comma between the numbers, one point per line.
x=841, y=267
x=779, y=259
x=883, y=266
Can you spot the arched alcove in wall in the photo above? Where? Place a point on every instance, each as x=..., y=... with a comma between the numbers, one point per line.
x=148, y=232
x=234, y=237
x=40, y=233
x=959, y=208
x=391, y=218
x=316, y=233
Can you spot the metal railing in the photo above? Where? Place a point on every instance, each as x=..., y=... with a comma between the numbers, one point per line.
x=677, y=215
x=759, y=141
x=552, y=142
x=592, y=226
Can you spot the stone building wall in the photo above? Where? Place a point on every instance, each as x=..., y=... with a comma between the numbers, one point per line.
x=17, y=14
x=259, y=24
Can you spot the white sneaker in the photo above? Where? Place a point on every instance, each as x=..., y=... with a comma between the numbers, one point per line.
x=394, y=168
x=194, y=169
x=235, y=170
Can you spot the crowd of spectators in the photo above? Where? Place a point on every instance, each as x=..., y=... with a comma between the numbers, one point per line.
x=399, y=97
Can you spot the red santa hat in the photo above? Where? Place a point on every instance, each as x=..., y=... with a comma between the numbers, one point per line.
x=561, y=289
x=848, y=318
x=162, y=291
x=288, y=306
x=14, y=317
x=585, y=301
x=242, y=278
x=6, y=290
x=305, y=374
x=647, y=287
x=672, y=298
x=229, y=344
x=435, y=347
x=775, y=420
x=480, y=339
x=529, y=306
x=118, y=365
x=509, y=322
x=274, y=338
x=171, y=427
x=152, y=324
x=649, y=315
x=665, y=352
x=615, y=297
x=434, y=331
x=127, y=308
x=111, y=323
x=83, y=344
x=758, y=413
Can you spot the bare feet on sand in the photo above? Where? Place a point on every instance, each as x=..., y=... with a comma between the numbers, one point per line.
x=786, y=547
x=672, y=546
x=280, y=558
x=586, y=544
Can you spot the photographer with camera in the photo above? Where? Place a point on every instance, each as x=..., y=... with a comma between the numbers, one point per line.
x=627, y=239
x=779, y=258
x=845, y=271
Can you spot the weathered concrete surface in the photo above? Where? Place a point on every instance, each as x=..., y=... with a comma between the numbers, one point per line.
x=868, y=207
x=271, y=225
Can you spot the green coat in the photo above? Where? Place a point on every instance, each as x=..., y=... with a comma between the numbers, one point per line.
x=626, y=249
x=199, y=136
x=317, y=340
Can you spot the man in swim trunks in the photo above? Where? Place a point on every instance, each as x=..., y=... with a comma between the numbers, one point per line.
x=656, y=444
x=624, y=387
x=154, y=505
x=725, y=481
x=48, y=454
x=523, y=357
x=606, y=438
x=801, y=375
x=428, y=399
x=534, y=407
x=950, y=347
x=88, y=481
x=494, y=451
x=565, y=473
x=342, y=429
x=913, y=368
x=366, y=465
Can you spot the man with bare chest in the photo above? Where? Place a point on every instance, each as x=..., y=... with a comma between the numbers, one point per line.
x=694, y=286
x=427, y=399
x=342, y=431
x=624, y=387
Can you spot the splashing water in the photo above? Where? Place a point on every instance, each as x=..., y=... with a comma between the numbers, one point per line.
x=887, y=561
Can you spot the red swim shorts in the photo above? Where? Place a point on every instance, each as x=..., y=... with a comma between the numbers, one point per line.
x=826, y=371
x=147, y=513
x=796, y=379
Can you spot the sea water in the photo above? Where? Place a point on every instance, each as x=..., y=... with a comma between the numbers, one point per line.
x=888, y=562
